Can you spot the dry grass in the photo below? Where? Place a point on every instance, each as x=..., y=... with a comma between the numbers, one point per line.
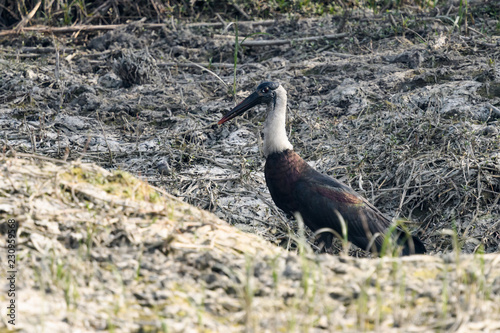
x=62, y=13
x=24, y=13
x=421, y=143
x=404, y=109
x=105, y=250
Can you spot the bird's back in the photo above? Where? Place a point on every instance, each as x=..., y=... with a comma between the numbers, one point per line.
x=324, y=202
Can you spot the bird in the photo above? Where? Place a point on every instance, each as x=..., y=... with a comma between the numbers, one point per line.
x=323, y=202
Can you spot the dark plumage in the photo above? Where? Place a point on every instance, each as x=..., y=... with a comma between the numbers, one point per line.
x=320, y=199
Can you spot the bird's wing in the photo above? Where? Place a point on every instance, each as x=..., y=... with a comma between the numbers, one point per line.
x=321, y=199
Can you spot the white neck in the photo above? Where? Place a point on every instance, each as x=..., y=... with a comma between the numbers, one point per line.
x=275, y=139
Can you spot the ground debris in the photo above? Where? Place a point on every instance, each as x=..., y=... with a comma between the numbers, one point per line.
x=404, y=108
x=102, y=249
x=413, y=128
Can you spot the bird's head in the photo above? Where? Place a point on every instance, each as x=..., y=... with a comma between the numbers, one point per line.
x=264, y=94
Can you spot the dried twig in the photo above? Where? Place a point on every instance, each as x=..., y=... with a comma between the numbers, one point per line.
x=28, y=17
x=107, y=27
x=257, y=43
x=206, y=65
x=46, y=50
x=240, y=10
x=105, y=138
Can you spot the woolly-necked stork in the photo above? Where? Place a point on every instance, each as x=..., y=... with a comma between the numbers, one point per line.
x=323, y=202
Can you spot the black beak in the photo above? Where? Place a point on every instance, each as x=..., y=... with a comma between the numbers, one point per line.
x=248, y=103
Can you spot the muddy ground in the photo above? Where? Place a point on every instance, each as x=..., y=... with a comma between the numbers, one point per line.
x=403, y=106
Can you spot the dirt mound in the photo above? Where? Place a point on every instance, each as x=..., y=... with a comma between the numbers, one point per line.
x=100, y=250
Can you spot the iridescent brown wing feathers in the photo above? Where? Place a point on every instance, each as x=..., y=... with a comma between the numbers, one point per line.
x=296, y=187
x=323, y=199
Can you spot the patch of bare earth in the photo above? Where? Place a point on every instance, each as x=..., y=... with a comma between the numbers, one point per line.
x=403, y=106
x=105, y=251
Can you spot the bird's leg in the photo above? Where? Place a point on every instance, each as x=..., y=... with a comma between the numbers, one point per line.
x=325, y=242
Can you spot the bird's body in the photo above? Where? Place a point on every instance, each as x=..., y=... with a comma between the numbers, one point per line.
x=323, y=202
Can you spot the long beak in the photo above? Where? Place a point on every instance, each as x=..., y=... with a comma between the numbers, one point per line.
x=245, y=105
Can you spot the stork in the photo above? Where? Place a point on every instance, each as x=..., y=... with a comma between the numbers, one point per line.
x=323, y=202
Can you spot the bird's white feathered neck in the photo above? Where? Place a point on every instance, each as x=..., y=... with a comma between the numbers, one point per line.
x=275, y=139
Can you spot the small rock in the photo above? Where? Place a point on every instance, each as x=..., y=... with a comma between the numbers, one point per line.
x=292, y=272
x=71, y=122
x=87, y=101
x=438, y=43
x=29, y=74
x=164, y=168
x=490, y=131
x=209, y=278
x=110, y=81
x=84, y=66
x=161, y=295
x=78, y=89
x=323, y=322
x=413, y=58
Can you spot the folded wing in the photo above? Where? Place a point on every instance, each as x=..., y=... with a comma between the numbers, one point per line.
x=324, y=201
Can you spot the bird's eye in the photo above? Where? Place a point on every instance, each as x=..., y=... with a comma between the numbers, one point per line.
x=265, y=90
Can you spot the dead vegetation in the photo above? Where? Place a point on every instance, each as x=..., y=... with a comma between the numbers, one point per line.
x=403, y=113
x=102, y=250
x=403, y=105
